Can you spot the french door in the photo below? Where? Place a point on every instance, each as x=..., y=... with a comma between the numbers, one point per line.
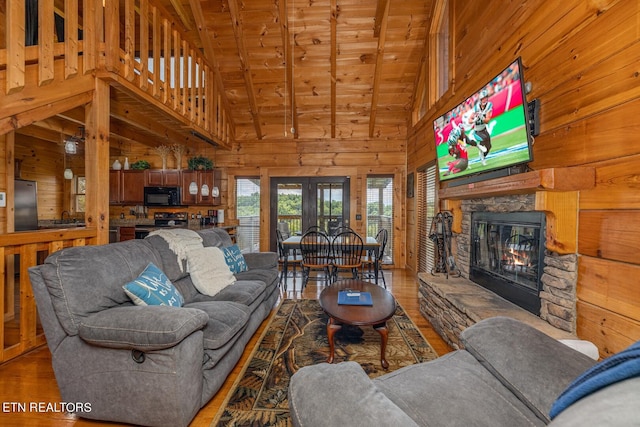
x=302, y=202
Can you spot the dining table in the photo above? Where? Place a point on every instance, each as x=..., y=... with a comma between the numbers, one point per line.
x=290, y=244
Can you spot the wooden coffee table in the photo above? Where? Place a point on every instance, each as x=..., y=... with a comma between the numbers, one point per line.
x=376, y=315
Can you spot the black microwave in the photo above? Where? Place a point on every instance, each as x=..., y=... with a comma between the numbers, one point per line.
x=162, y=196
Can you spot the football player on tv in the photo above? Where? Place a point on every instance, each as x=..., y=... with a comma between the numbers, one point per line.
x=482, y=113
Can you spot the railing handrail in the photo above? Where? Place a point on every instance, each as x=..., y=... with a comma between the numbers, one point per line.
x=170, y=70
x=33, y=247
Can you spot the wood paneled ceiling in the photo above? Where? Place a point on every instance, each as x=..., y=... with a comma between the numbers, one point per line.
x=312, y=69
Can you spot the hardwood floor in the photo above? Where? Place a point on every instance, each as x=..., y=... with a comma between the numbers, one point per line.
x=29, y=379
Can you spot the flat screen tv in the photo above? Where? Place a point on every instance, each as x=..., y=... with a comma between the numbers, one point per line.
x=486, y=132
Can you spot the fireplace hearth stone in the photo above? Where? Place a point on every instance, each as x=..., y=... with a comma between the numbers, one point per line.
x=451, y=305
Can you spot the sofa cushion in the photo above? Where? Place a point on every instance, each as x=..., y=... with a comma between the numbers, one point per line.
x=615, y=405
x=83, y=280
x=619, y=367
x=341, y=395
x=172, y=268
x=234, y=259
x=249, y=293
x=142, y=328
x=209, y=271
x=215, y=237
x=153, y=287
x=527, y=370
x=454, y=387
x=226, y=319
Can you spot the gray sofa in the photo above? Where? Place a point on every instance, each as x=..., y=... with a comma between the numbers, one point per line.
x=145, y=365
x=509, y=374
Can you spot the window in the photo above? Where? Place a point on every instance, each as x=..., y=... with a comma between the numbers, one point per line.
x=426, y=194
x=380, y=210
x=434, y=76
x=440, y=45
x=79, y=193
x=248, y=213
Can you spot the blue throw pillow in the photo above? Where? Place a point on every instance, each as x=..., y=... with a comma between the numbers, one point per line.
x=234, y=259
x=153, y=287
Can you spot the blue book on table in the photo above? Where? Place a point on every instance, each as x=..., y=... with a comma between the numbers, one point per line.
x=354, y=298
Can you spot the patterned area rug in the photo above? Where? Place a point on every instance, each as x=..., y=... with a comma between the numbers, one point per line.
x=297, y=337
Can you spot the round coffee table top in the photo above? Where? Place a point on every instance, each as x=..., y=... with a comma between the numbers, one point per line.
x=383, y=308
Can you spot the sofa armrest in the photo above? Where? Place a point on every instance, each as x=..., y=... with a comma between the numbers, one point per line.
x=261, y=260
x=334, y=395
x=142, y=328
x=534, y=366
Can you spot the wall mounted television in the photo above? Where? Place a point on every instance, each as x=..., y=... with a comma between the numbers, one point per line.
x=489, y=131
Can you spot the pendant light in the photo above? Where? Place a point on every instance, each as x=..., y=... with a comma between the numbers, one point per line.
x=193, y=188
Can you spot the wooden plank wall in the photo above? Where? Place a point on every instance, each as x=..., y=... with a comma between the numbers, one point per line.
x=582, y=59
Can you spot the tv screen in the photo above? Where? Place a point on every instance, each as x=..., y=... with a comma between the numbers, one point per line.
x=486, y=132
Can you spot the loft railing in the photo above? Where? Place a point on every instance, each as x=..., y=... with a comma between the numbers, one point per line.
x=21, y=330
x=132, y=39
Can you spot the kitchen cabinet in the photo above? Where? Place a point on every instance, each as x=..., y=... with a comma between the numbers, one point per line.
x=210, y=177
x=126, y=187
x=115, y=187
x=162, y=178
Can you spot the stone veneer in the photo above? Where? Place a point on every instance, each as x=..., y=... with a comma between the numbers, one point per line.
x=451, y=310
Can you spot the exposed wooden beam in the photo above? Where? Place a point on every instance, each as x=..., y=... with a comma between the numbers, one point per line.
x=139, y=119
x=382, y=35
x=28, y=117
x=238, y=32
x=382, y=10
x=182, y=13
x=288, y=58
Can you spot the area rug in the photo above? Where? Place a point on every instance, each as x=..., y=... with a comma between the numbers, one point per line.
x=297, y=337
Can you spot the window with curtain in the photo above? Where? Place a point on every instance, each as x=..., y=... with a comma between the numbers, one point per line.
x=426, y=211
x=380, y=210
x=248, y=214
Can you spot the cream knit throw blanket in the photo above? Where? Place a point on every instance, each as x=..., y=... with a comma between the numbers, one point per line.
x=180, y=241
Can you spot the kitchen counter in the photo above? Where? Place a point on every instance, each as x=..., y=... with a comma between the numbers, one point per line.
x=49, y=225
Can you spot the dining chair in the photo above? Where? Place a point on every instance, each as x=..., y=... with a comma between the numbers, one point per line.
x=375, y=257
x=315, y=249
x=286, y=258
x=346, y=254
x=315, y=228
x=283, y=228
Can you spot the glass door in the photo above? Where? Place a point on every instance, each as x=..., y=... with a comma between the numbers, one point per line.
x=298, y=203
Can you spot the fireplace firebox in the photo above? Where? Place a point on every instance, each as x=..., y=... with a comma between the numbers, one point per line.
x=507, y=255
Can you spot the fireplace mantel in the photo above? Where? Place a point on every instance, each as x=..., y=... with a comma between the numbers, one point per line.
x=552, y=179
x=556, y=191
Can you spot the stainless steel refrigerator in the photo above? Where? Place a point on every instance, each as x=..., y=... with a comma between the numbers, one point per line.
x=26, y=205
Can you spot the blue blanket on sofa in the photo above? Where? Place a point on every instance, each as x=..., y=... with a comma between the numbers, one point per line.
x=619, y=367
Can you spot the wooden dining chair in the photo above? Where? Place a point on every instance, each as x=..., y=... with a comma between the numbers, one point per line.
x=286, y=259
x=315, y=249
x=373, y=259
x=346, y=254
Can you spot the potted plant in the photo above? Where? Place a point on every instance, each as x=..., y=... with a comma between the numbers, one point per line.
x=200, y=163
x=140, y=165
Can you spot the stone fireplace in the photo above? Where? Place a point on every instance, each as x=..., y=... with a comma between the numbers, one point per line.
x=507, y=255
x=451, y=304
x=557, y=274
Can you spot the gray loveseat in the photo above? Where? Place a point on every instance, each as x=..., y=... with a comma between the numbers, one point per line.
x=146, y=365
x=509, y=374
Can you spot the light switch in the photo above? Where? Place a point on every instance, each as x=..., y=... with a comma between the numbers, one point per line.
x=3, y=199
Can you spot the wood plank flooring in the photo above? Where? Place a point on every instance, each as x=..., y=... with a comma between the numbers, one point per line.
x=29, y=379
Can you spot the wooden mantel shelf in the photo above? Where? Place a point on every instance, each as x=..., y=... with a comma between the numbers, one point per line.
x=552, y=179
